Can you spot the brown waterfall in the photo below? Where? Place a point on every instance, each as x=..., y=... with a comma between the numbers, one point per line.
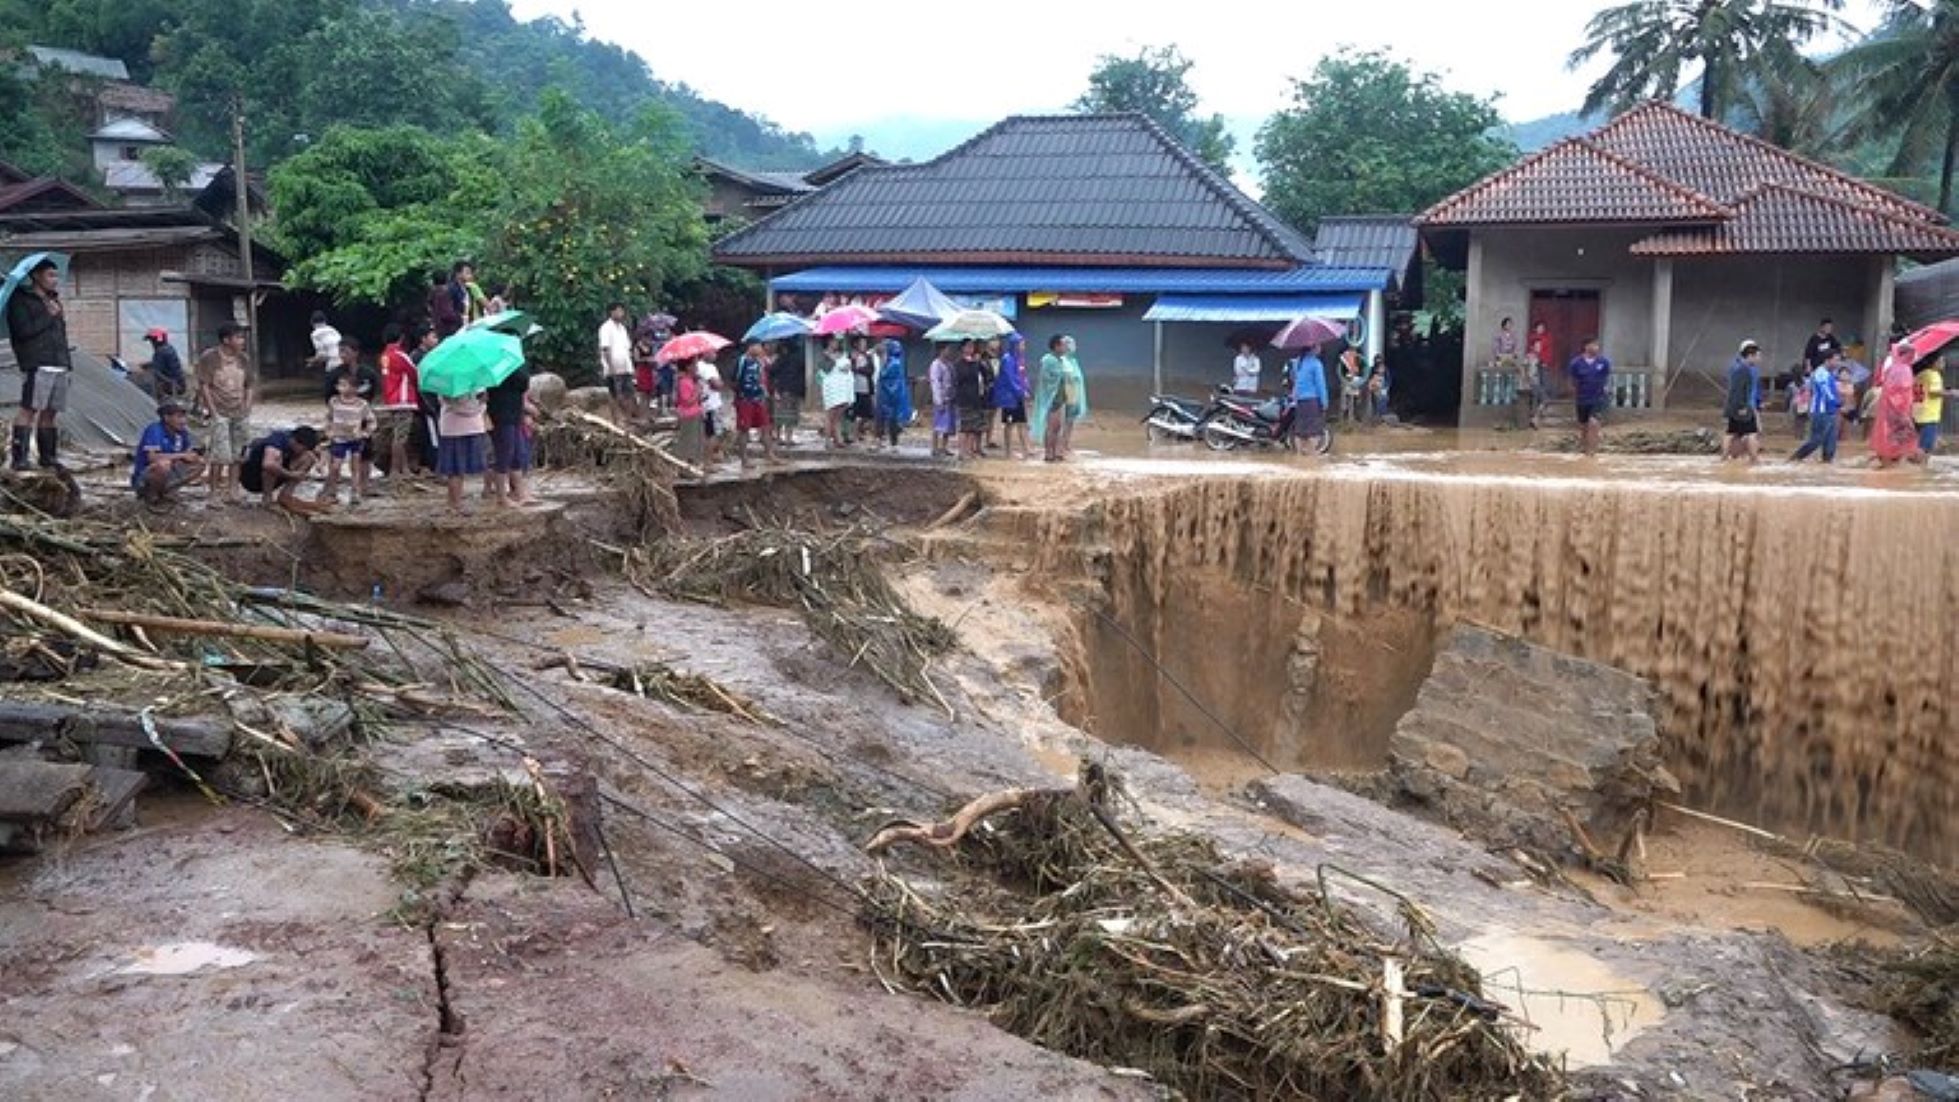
x=1805, y=644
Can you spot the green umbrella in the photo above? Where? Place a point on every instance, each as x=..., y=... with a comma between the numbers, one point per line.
x=472, y=360
x=515, y=322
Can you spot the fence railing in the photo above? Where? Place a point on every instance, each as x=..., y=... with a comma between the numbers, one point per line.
x=1633, y=389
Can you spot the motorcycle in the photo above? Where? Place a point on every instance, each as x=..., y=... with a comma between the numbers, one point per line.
x=1236, y=421
x=1174, y=419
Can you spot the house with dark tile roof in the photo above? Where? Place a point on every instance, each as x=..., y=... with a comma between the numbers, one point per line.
x=1101, y=226
x=747, y=194
x=1672, y=239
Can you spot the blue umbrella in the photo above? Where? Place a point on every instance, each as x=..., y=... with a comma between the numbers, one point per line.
x=920, y=306
x=19, y=276
x=777, y=327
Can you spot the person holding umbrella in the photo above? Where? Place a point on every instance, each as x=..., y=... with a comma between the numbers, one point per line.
x=460, y=372
x=38, y=331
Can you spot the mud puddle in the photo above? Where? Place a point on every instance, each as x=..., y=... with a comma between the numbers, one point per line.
x=1572, y=1004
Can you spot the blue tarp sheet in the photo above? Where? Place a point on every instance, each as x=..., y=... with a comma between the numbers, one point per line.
x=1255, y=308
x=1137, y=281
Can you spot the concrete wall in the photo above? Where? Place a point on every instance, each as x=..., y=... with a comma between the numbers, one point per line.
x=1515, y=262
x=1775, y=301
x=1717, y=302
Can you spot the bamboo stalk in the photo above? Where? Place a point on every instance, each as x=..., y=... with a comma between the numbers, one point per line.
x=68, y=625
x=646, y=446
x=1719, y=821
x=172, y=625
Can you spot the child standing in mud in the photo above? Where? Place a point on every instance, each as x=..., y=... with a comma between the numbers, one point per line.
x=465, y=445
x=350, y=425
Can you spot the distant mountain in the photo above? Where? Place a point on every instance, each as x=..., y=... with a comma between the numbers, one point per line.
x=903, y=137
x=1534, y=135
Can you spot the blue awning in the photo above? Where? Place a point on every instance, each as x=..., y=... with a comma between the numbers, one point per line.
x=876, y=278
x=1255, y=308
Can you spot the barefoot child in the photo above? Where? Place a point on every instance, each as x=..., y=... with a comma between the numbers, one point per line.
x=465, y=442
x=350, y=425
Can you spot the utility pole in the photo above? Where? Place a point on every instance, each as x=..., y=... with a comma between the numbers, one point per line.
x=244, y=217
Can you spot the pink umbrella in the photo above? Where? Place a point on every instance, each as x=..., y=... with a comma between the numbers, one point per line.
x=1309, y=331
x=844, y=319
x=689, y=346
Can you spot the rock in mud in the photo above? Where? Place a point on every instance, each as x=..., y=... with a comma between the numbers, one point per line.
x=1505, y=736
x=590, y=399
x=548, y=390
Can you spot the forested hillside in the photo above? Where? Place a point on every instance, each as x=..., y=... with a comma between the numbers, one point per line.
x=304, y=65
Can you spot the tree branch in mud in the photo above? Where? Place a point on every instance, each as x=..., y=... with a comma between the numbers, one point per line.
x=950, y=832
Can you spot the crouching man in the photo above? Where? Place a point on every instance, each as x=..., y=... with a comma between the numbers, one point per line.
x=275, y=464
x=166, y=457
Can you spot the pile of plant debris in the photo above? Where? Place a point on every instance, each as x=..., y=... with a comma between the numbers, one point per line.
x=636, y=468
x=836, y=580
x=1920, y=988
x=1151, y=951
x=1642, y=442
x=230, y=682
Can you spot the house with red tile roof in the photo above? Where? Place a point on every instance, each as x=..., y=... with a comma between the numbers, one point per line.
x=1672, y=238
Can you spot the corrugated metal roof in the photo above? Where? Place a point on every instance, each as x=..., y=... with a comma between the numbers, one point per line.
x=1367, y=241
x=1254, y=308
x=74, y=61
x=1146, y=281
x=129, y=130
x=1778, y=219
x=1073, y=186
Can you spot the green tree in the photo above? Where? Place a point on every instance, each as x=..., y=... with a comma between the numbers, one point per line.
x=1156, y=83
x=594, y=215
x=1367, y=134
x=172, y=165
x=1654, y=42
x=1903, y=82
x=368, y=214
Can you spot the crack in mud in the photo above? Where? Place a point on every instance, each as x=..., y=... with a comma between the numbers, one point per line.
x=449, y=1021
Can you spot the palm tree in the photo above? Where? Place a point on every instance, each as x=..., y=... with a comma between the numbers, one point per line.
x=1654, y=42
x=1905, y=83
x=1793, y=105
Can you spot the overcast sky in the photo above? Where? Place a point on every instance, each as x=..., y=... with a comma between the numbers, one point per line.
x=834, y=68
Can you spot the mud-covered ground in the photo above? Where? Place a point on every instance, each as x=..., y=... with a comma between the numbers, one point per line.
x=212, y=954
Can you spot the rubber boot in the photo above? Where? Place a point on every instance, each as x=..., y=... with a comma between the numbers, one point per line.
x=18, y=450
x=47, y=441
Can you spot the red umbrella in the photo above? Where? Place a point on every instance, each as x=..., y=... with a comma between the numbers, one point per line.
x=1927, y=342
x=691, y=346
x=1309, y=332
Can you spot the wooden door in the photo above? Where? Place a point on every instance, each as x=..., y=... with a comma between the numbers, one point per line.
x=1571, y=318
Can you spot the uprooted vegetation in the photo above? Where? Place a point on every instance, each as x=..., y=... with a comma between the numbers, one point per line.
x=1150, y=950
x=835, y=580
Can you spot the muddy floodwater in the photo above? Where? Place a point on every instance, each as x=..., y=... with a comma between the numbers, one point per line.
x=1796, y=621
x=1238, y=636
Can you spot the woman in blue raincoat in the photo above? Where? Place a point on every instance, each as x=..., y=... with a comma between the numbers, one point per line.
x=1010, y=396
x=894, y=410
x=1060, y=399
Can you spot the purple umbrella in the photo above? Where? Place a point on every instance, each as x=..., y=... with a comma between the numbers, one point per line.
x=1308, y=331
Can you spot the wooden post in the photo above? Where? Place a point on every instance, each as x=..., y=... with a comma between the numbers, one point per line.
x=244, y=216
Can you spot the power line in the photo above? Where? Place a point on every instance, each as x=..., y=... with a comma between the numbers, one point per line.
x=1179, y=686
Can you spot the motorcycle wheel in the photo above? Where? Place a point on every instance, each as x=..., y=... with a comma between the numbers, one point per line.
x=1156, y=435
x=1323, y=443
x=1216, y=439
